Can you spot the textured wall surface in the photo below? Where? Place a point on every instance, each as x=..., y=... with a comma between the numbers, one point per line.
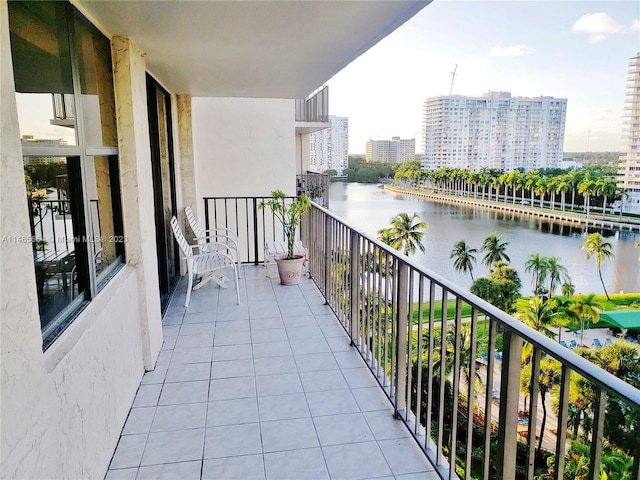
x=62, y=411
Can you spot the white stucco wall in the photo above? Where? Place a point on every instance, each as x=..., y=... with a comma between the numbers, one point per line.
x=62, y=410
x=243, y=146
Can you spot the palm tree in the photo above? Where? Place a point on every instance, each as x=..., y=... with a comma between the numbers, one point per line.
x=531, y=178
x=586, y=306
x=549, y=377
x=538, y=314
x=563, y=313
x=596, y=245
x=464, y=257
x=620, y=358
x=556, y=273
x=586, y=188
x=568, y=289
x=385, y=236
x=607, y=188
x=562, y=188
x=541, y=190
x=406, y=232
x=537, y=265
x=496, y=250
x=572, y=179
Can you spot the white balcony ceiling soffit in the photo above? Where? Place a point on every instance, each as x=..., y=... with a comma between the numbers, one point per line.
x=262, y=49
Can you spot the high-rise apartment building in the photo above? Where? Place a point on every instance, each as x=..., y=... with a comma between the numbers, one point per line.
x=330, y=147
x=629, y=173
x=494, y=131
x=396, y=150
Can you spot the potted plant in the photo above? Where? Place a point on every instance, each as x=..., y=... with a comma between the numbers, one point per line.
x=289, y=214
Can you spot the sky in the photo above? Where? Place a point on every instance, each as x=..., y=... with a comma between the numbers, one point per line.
x=578, y=50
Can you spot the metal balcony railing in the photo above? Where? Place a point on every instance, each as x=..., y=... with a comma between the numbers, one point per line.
x=424, y=354
x=314, y=108
x=63, y=106
x=452, y=364
x=315, y=186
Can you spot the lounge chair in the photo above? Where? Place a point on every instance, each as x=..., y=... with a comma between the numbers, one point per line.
x=574, y=344
x=209, y=265
x=564, y=344
x=597, y=343
x=608, y=341
x=223, y=240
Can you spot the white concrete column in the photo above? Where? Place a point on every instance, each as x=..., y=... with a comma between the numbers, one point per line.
x=137, y=189
x=303, y=153
x=185, y=162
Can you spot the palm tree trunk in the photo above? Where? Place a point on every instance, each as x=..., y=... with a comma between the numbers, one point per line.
x=602, y=281
x=542, y=425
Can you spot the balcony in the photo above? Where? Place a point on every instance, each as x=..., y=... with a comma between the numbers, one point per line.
x=342, y=376
x=312, y=113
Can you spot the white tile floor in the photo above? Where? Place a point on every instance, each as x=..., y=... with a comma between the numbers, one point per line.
x=269, y=389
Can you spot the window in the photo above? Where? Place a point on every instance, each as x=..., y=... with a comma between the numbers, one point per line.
x=66, y=111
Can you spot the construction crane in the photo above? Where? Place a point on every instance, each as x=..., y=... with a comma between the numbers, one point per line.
x=453, y=77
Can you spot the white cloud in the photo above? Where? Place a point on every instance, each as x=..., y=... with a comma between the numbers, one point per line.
x=598, y=25
x=513, y=51
x=635, y=25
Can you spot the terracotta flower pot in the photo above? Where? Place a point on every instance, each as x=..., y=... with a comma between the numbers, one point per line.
x=290, y=271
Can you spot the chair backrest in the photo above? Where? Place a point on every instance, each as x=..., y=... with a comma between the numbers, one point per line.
x=193, y=223
x=182, y=242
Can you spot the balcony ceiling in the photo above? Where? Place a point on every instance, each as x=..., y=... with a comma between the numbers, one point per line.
x=270, y=49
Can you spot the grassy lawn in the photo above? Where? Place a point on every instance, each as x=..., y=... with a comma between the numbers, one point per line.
x=437, y=309
x=616, y=302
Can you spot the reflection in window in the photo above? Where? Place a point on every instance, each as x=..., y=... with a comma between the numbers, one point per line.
x=42, y=70
x=96, y=84
x=105, y=227
x=52, y=233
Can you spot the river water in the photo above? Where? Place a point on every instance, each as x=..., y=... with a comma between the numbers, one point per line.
x=369, y=208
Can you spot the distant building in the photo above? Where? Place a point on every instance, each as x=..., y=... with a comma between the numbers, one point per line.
x=568, y=162
x=494, y=131
x=396, y=150
x=629, y=172
x=30, y=140
x=330, y=147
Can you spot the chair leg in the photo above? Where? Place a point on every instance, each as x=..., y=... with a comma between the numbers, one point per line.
x=238, y=261
x=186, y=302
x=237, y=288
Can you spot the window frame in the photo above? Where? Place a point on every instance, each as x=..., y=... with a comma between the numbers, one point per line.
x=82, y=156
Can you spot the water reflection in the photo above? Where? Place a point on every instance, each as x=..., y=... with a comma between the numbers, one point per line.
x=369, y=207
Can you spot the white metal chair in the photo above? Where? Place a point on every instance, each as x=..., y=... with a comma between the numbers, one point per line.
x=209, y=240
x=210, y=264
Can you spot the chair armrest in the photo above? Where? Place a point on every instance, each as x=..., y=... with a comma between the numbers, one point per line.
x=216, y=247
x=218, y=231
x=217, y=238
x=213, y=255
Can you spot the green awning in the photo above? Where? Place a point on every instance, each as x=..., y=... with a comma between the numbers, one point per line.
x=621, y=318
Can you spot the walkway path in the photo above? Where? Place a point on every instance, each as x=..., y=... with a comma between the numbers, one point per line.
x=596, y=220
